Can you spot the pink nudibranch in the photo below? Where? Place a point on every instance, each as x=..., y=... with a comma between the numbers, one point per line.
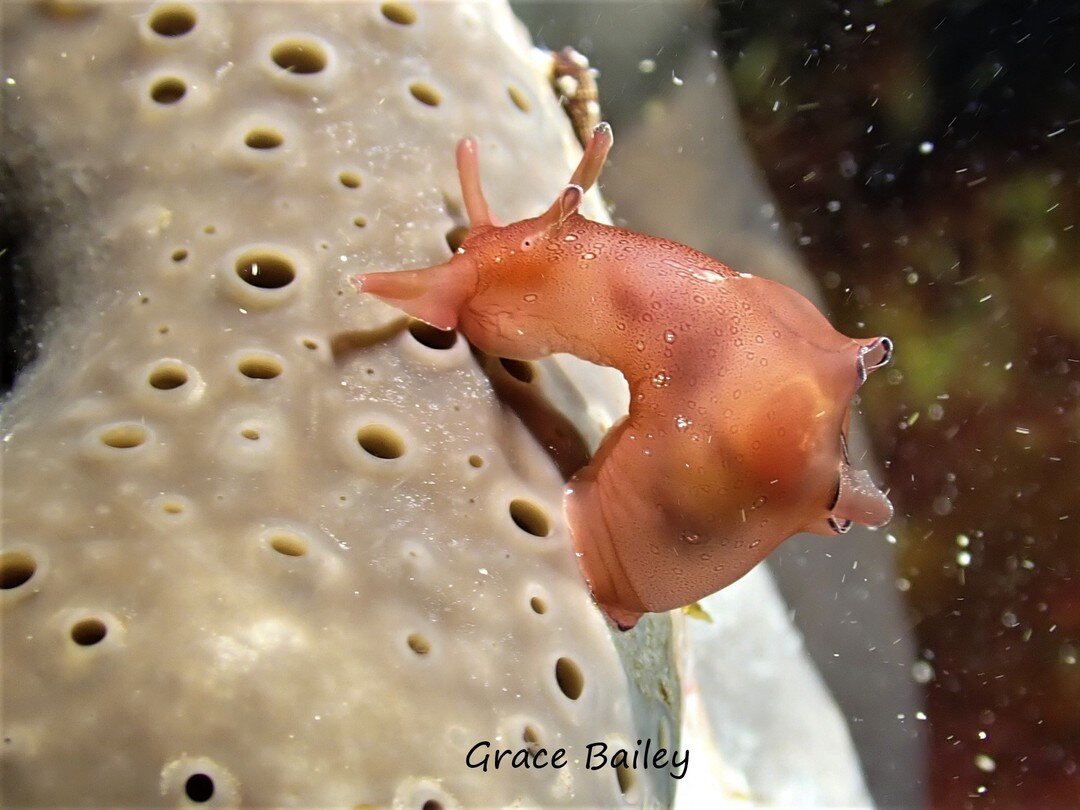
x=740, y=389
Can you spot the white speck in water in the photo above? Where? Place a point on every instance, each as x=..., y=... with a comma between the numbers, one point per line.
x=528, y=299
x=661, y=379
x=832, y=206
x=926, y=147
x=675, y=80
x=569, y=238
x=922, y=672
x=682, y=423
x=589, y=255
x=690, y=537
x=1009, y=619
x=1023, y=431
x=985, y=763
x=963, y=559
x=890, y=539
x=646, y=66
x=669, y=336
x=963, y=540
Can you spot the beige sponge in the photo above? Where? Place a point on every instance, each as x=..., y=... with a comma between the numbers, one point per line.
x=264, y=543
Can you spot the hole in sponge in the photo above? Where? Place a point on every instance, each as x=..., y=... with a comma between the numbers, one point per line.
x=260, y=367
x=349, y=179
x=291, y=545
x=16, y=568
x=381, y=441
x=301, y=56
x=179, y=254
x=419, y=644
x=360, y=222
x=530, y=518
x=519, y=98
x=625, y=777
x=168, y=90
x=67, y=10
x=400, y=13
x=425, y=94
x=124, y=437
x=264, y=138
x=265, y=269
x=570, y=678
x=168, y=376
x=199, y=788
x=88, y=632
x=476, y=461
x=538, y=605
x=518, y=369
x=431, y=337
x=250, y=434
x=172, y=20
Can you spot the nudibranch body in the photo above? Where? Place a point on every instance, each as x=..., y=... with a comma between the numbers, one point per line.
x=740, y=390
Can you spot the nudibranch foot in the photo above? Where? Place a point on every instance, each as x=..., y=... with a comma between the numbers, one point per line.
x=587, y=513
x=622, y=619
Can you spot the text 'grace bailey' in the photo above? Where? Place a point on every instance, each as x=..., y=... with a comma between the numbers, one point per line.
x=598, y=755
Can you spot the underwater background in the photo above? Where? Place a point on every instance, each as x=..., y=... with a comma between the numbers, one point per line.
x=925, y=157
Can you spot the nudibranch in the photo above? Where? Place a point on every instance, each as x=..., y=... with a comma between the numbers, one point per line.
x=740, y=389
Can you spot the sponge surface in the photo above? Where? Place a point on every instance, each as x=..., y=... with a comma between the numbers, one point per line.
x=264, y=541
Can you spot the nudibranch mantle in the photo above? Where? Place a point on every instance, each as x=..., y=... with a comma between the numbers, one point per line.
x=740, y=389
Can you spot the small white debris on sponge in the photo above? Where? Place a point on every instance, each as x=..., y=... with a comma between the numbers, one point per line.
x=263, y=545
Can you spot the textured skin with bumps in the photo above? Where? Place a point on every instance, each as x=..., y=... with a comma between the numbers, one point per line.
x=740, y=390
x=255, y=531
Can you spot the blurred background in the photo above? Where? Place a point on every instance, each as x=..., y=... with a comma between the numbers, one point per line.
x=922, y=159
x=925, y=159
